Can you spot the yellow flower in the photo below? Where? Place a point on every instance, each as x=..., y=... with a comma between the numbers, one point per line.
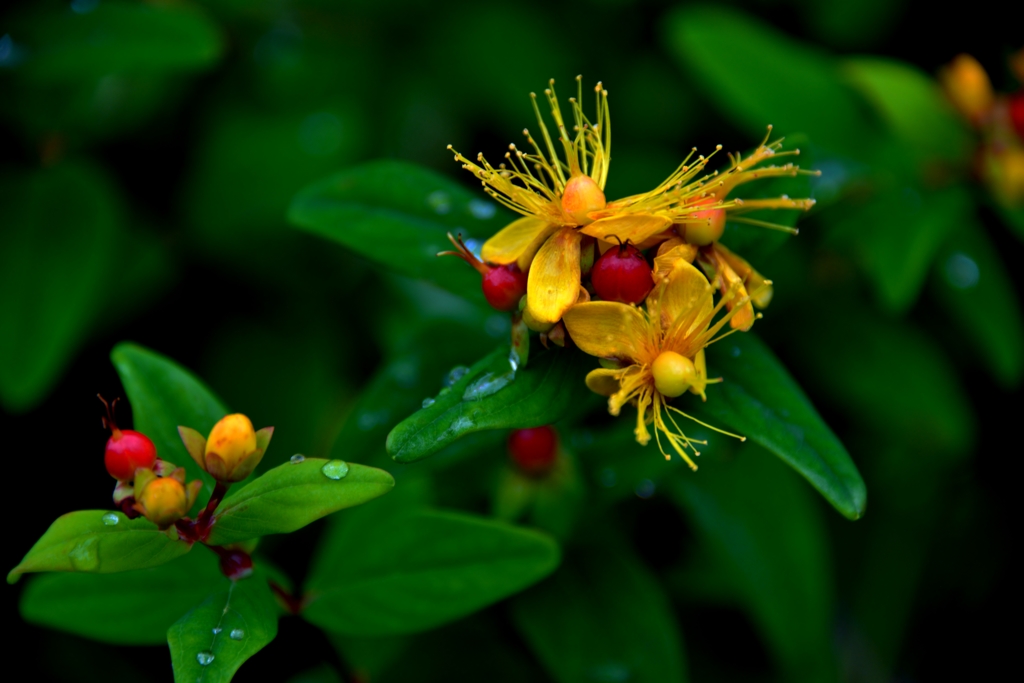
x=659, y=351
x=233, y=449
x=561, y=202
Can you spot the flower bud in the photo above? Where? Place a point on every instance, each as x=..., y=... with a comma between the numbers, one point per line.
x=968, y=87
x=233, y=449
x=164, y=500
x=707, y=225
x=582, y=196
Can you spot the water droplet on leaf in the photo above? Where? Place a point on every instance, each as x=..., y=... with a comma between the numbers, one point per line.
x=110, y=519
x=217, y=629
x=335, y=469
x=297, y=458
x=237, y=634
x=84, y=557
x=427, y=402
x=455, y=374
x=487, y=385
x=205, y=658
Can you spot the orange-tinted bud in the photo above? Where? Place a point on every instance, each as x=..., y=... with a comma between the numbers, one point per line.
x=968, y=87
x=581, y=197
x=234, y=448
x=164, y=500
x=707, y=226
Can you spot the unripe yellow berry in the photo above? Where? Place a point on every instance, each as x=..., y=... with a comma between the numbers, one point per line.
x=231, y=442
x=673, y=373
x=581, y=196
x=163, y=501
x=709, y=226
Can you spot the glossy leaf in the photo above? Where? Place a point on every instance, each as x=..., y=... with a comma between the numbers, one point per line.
x=164, y=395
x=119, y=37
x=758, y=76
x=770, y=544
x=90, y=541
x=602, y=617
x=59, y=228
x=217, y=636
x=292, y=495
x=419, y=569
x=489, y=397
x=397, y=214
x=760, y=400
x=971, y=281
x=130, y=608
x=912, y=105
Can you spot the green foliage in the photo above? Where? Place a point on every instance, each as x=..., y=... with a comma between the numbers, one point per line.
x=397, y=215
x=492, y=396
x=602, y=616
x=60, y=227
x=92, y=541
x=411, y=569
x=215, y=637
x=164, y=396
x=130, y=608
x=292, y=495
x=760, y=400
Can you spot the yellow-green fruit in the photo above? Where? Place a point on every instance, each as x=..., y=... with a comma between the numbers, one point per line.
x=233, y=439
x=673, y=373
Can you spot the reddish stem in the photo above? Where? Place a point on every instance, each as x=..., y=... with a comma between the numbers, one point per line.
x=199, y=530
x=291, y=603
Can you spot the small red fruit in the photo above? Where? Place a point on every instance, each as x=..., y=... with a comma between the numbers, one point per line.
x=127, y=450
x=503, y=286
x=1017, y=113
x=533, y=450
x=622, y=274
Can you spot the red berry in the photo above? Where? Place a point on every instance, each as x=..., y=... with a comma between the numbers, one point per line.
x=533, y=450
x=1017, y=113
x=235, y=564
x=504, y=286
x=622, y=274
x=128, y=450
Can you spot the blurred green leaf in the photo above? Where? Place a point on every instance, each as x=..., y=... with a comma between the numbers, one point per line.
x=491, y=396
x=769, y=539
x=602, y=617
x=971, y=281
x=886, y=376
x=214, y=638
x=292, y=495
x=118, y=37
x=164, y=395
x=131, y=608
x=420, y=569
x=91, y=541
x=912, y=105
x=760, y=400
x=324, y=673
x=56, y=247
x=853, y=24
x=396, y=214
x=1014, y=217
x=758, y=76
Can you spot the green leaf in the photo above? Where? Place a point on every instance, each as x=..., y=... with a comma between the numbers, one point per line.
x=770, y=543
x=164, y=395
x=214, y=638
x=397, y=214
x=971, y=281
x=758, y=76
x=912, y=105
x=602, y=617
x=760, y=400
x=292, y=495
x=60, y=226
x=419, y=569
x=543, y=392
x=90, y=541
x=130, y=608
x=118, y=37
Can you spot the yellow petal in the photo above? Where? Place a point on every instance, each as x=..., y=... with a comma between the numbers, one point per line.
x=603, y=381
x=701, y=383
x=671, y=250
x=518, y=239
x=684, y=297
x=632, y=227
x=760, y=288
x=554, y=281
x=608, y=329
x=731, y=287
